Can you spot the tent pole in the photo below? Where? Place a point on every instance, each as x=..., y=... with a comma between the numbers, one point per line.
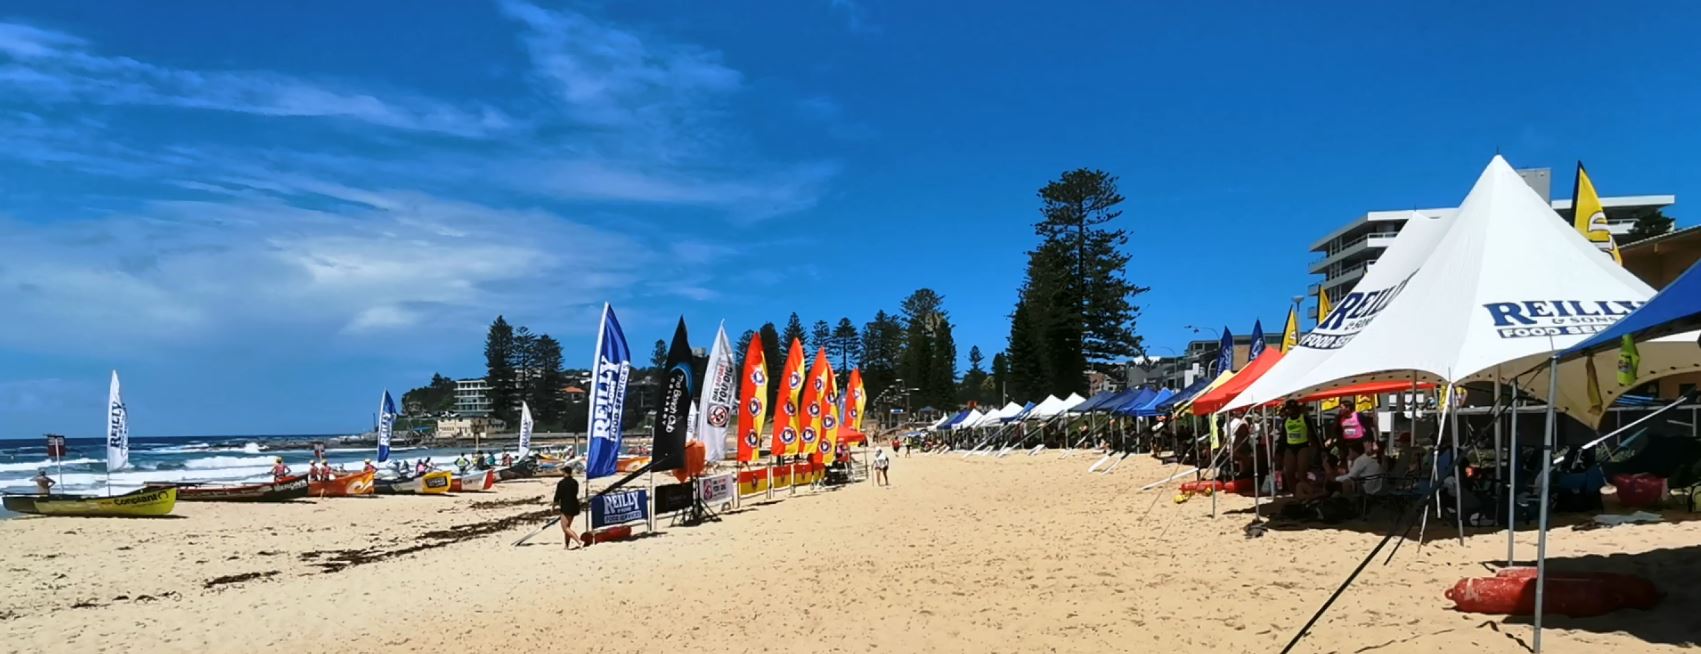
x=1499, y=467
x=1257, y=501
x=1512, y=480
x=1459, y=484
x=1547, y=474
x=1215, y=467
x=1434, y=464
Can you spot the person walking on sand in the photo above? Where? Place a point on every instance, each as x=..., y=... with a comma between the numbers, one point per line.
x=567, y=503
x=881, y=464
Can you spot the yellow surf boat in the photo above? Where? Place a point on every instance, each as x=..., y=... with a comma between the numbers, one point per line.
x=147, y=502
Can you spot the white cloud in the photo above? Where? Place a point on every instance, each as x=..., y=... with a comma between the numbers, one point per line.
x=181, y=273
x=610, y=76
x=59, y=67
x=232, y=242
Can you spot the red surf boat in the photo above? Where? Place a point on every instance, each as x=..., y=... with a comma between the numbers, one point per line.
x=282, y=490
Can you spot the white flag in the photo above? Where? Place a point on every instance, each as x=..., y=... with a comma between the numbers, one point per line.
x=525, y=429
x=117, y=429
x=720, y=398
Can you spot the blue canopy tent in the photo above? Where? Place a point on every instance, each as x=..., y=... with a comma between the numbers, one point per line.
x=1674, y=310
x=1127, y=408
x=1184, y=394
x=956, y=419
x=1026, y=408
x=1150, y=408
x=1115, y=399
x=1093, y=402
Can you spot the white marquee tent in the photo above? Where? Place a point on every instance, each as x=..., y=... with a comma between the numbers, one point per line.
x=1483, y=303
x=1047, y=408
x=1385, y=279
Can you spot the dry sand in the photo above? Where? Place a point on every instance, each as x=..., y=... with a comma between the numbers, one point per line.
x=1020, y=554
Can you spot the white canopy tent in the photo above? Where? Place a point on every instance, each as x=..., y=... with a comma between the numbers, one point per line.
x=1047, y=408
x=988, y=419
x=1071, y=402
x=1384, y=279
x=1482, y=304
x=1009, y=411
x=968, y=421
x=937, y=424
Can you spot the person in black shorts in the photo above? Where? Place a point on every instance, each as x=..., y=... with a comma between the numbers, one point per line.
x=567, y=502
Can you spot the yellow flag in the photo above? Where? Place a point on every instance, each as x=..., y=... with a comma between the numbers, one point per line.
x=1290, y=334
x=1323, y=305
x=1590, y=216
x=1365, y=403
x=1329, y=404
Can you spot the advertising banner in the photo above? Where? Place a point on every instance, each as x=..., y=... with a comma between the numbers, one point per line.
x=619, y=508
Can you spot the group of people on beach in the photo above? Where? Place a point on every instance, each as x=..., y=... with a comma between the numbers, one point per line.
x=481, y=460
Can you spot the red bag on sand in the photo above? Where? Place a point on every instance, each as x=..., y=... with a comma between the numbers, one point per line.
x=619, y=532
x=1630, y=591
x=1574, y=595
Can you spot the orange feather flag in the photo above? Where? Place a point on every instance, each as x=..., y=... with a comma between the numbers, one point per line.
x=815, y=387
x=786, y=425
x=752, y=401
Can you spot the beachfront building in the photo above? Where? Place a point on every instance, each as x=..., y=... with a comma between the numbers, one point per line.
x=1347, y=251
x=1199, y=361
x=472, y=397
x=469, y=426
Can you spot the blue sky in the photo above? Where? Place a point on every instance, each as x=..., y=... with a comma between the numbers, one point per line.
x=264, y=214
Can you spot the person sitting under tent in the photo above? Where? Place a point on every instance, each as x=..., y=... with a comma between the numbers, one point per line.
x=1240, y=459
x=1363, y=474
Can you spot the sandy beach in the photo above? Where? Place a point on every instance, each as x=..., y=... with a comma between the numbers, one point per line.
x=1019, y=554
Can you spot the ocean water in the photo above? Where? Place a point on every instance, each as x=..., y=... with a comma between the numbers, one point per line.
x=233, y=459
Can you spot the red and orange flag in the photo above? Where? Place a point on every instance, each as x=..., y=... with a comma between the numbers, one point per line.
x=855, y=400
x=786, y=425
x=752, y=401
x=830, y=419
x=814, y=388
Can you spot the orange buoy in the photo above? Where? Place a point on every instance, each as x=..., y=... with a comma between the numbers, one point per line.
x=1516, y=595
x=607, y=534
x=1631, y=591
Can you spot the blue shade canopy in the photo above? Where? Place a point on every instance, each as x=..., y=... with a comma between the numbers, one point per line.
x=1116, y=399
x=1093, y=402
x=1674, y=310
x=1185, y=394
x=1150, y=408
x=1127, y=408
x=955, y=419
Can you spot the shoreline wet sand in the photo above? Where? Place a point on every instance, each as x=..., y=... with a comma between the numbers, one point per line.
x=1015, y=554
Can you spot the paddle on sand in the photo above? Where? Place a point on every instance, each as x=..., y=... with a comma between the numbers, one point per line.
x=540, y=530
